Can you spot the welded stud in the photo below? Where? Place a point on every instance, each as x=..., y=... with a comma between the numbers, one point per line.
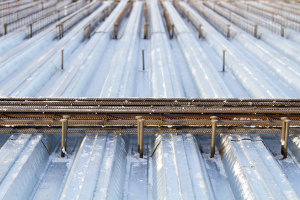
x=5, y=28
x=62, y=59
x=172, y=31
x=213, y=137
x=138, y=133
x=143, y=54
x=64, y=137
x=228, y=31
x=286, y=137
x=223, y=60
x=90, y=31
x=116, y=31
x=62, y=30
x=200, y=30
x=282, y=31
x=282, y=133
x=255, y=31
x=30, y=25
x=146, y=31
x=141, y=139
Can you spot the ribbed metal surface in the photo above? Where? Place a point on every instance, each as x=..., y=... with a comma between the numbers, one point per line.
x=108, y=166
x=252, y=170
x=101, y=159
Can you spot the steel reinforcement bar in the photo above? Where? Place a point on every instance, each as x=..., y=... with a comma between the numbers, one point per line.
x=223, y=27
x=153, y=109
x=14, y=7
x=259, y=20
x=234, y=115
x=277, y=18
x=45, y=21
x=126, y=130
x=186, y=14
x=13, y=25
x=65, y=25
x=44, y=101
x=247, y=26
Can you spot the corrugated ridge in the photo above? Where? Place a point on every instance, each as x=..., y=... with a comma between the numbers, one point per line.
x=215, y=169
x=70, y=190
x=164, y=74
x=183, y=166
x=252, y=170
x=159, y=181
x=10, y=151
x=197, y=169
x=261, y=170
x=179, y=173
x=25, y=173
x=136, y=178
x=275, y=170
x=294, y=146
x=88, y=155
x=289, y=166
x=90, y=181
x=55, y=175
x=236, y=176
x=173, y=187
x=199, y=63
x=118, y=172
x=108, y=187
